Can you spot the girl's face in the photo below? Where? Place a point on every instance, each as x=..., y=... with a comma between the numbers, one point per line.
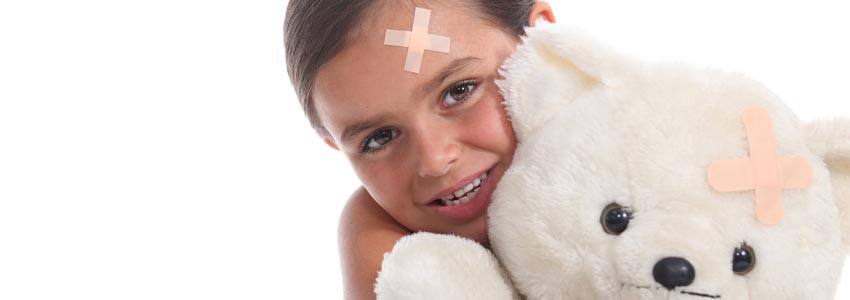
x=428, y=147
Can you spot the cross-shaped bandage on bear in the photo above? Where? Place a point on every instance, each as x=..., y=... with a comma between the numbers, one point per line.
x=766, y=172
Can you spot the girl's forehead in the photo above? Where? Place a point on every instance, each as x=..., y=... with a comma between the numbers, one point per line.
x=461, y=25
x=368, y=77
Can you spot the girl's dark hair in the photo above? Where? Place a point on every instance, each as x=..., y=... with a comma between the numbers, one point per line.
x=316, y=30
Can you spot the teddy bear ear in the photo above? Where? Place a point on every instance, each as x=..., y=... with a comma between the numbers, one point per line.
x=551, y=68
x=830, y=139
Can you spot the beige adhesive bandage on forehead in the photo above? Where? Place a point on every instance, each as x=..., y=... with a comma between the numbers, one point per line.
x=418, y=40
x=766, y=172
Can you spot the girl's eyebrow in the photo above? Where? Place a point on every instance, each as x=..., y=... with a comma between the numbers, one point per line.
x=451, y=68
x=356, y=128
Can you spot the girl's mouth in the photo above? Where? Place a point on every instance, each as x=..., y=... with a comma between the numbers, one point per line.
x=464, y=194
x=468, y=202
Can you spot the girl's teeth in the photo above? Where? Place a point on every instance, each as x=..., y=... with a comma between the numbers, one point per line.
x=468, y=188
x=463, y=200
x=466, y=198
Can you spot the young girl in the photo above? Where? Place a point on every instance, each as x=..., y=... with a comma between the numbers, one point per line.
x=429, y=147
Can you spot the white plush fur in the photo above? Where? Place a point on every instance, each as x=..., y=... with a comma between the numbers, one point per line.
x=594, y=128
x=429, y=266
x=830, y=139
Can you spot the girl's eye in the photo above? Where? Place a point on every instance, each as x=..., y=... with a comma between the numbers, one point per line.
x=459, y=92
x=379, y=139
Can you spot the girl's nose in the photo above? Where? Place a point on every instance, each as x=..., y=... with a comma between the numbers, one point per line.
x=438, y=153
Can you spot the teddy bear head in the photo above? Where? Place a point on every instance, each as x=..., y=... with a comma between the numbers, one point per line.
x=636, y=180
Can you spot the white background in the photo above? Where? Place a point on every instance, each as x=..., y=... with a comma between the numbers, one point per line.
x=155, y=150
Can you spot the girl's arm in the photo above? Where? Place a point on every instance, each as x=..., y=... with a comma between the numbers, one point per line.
x=366, y=232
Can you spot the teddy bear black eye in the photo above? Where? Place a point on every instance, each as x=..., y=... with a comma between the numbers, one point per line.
x=743, y=259
x=615, y=218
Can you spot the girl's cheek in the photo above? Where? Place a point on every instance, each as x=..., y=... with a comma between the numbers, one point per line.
x=387, y=176
x=486, y=123
x=377, y=173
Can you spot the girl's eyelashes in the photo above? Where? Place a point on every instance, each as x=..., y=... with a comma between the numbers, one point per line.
x=378, y=139
x=458, y=93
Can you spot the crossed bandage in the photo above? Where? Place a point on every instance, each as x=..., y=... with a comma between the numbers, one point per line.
x=418, y=40
x=766, y=172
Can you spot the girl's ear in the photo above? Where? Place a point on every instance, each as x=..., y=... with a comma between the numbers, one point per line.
x=830, y=139
x=553, y=67
x=330, y=141
x=541, y=10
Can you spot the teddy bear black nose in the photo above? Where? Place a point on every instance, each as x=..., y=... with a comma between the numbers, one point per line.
x=673, y=271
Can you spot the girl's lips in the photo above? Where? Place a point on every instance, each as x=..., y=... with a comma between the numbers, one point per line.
x=475, y=207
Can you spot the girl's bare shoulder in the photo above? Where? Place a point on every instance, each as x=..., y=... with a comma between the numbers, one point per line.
x=362, y=212
x=365, y=233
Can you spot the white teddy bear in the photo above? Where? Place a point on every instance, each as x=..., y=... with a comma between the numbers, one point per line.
x=640, y=180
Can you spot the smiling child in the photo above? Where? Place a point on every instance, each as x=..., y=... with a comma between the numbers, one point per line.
x=428, y=146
